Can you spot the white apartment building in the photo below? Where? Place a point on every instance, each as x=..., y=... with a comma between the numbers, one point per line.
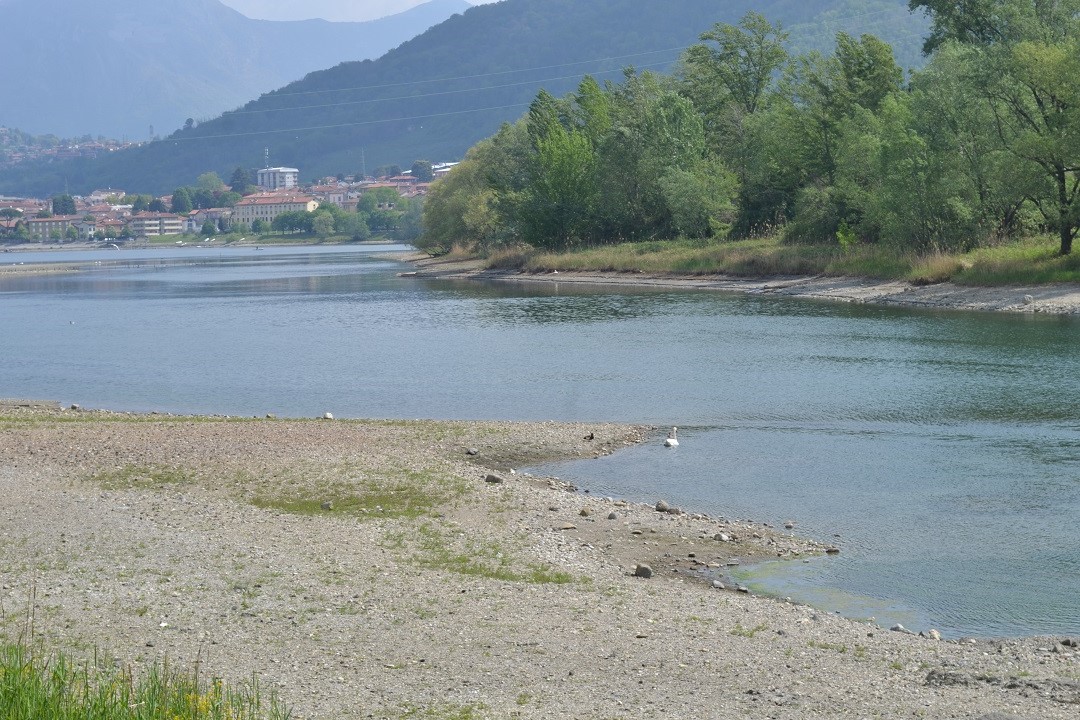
x=278, y=178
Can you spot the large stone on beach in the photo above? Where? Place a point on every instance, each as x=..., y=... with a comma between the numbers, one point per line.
x=643, y=571
x=494, y=479
x=662, y=506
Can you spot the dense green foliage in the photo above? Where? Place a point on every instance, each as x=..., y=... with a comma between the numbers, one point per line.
x=63, y=205
x=438, y=94
x=835, y=149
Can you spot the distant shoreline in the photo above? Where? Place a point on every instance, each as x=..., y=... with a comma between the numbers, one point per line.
x=51, y=268
x=1054, y=299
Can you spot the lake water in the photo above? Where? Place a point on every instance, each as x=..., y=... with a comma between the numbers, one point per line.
x=943, y=448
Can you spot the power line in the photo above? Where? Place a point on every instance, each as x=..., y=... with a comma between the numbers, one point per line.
x=349, y=124
x=474, y=77
x=432, y=94
x=821, y=23
x=834, y=22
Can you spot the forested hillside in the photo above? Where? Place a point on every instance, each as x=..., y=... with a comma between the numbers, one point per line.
x=439, y=93
x=748, y=139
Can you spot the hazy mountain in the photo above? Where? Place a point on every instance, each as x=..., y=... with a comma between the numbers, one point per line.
x=116, y=68
x=437, y=94
x=334, y=10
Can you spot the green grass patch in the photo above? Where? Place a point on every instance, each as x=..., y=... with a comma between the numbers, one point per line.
x=445, y=711
x=435, y=550
x=740, y=631
x=411, y=494
x=38, y=686
x=819, y=645
x=141, y=476
x=1033, y=260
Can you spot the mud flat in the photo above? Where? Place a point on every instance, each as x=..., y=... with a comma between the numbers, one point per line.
x=389, y=569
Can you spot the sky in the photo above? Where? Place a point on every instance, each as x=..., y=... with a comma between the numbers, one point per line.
x=336, y=10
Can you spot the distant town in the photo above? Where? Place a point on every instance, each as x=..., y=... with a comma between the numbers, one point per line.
x=18, y=147
x=275, y=200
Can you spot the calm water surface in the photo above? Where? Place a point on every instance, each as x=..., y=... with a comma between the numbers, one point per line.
x=942, y=448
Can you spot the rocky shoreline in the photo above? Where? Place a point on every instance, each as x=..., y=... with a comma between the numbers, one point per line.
x=392, y=569
x=1053, y=299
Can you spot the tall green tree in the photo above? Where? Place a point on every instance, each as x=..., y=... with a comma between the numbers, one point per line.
x=63, y=205
x=422, y=171
x=1024, y=61
x=554, y=210
x=322, y=225
x=984, y=23
x=240, y=180
x=181, y=201
x=740, y=60
x=730, y=77
x=210, y=181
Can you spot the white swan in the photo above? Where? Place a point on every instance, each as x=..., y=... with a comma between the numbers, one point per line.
x=672, y=438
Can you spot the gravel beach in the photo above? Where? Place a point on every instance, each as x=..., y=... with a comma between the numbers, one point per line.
x=389, y=569
x=1051, y=299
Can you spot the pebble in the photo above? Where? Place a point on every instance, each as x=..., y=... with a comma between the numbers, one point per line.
x=612, y=516
x=472, y=451
x=662, y=506
x=643, y=571
x=494, y=479
x=585, y=512
x=718, y=585
x=722, y=537
x=327, y=505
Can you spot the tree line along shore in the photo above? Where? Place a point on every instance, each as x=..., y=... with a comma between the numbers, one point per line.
x=749, y=160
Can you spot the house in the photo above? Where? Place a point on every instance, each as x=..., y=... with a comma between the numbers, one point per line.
x=146, y=224
x=278, y=178
x=267, y=206
x=51, y=227
x=221, y=217
x=333, y=194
